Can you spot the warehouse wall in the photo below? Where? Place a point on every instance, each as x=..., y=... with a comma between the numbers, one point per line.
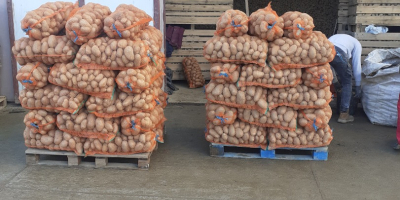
x=6, y=79
x=324, y=12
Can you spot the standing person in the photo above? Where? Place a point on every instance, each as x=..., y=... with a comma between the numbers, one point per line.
x=347, y=47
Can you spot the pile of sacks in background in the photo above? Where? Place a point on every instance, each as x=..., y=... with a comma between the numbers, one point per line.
x=102, y=97
x=270, y=82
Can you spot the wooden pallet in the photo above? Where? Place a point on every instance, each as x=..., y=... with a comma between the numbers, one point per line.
x=193, y=12
x=343, y=16
x=227, y=151
x=70, y=159
x=378, y=12
x=3, y=102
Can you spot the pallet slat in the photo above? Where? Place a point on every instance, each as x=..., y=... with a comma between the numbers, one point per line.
x=176, y=59
x=380, y=44
x=378, y=20
x=211, y=2
x=197, y=8
x=369, y=36
x=377, y=9
x=209, y=14
x=199, y=33
x=191, y=20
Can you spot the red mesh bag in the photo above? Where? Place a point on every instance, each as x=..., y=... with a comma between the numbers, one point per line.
x=86, y=23
x=142, y=122
x=282, y=117
x=314, y=119
x=40, y=121
x=300, y=138
x=87, y=125
x=318, y=77
x=52, y=98
x=49, y=50
x=49, y=19
x=232, y=23
x=266, y=24
x=287, y=53
x=239, y=50
x=113, y=54
x=54, y=140
x=99, y=83
x=220, y=114
x=126, y=22
x=298, y=25
x=268, y=78
x=299, y=97
x=250, y=97
x=33, y=75
x=240, y=134
x=225, y=72
x=192, y=71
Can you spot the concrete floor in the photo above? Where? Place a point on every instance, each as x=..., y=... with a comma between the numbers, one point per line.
x=361, y=165
x=186, y=95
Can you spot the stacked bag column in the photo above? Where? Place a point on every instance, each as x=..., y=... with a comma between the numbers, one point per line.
x=103, y=97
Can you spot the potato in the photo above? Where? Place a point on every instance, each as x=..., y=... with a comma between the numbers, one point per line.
x=220, y=115
x=249, y=49
x=24, y=54
x=299, y=97
x=152, y=37
x=225, y=72
x=298, y=25
x=301, y=53
x=40, y=121
x=318, y=77
x=52, y=98
x=282, y=117
x=142, y=122
x=266, y=24
x=126, y=22
x=312, y=119
x=69, y=76
x=251, y=97
x=239, y=133
x=86, y=23
x=53, y=140
x=192, y=71
x=33, y=75
x=232, y=23
x=100, y=130
x=300, y=138
x=49, y=19
x=137, y=80
x=118, y=54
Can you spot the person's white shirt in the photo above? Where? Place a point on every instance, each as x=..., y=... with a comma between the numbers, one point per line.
x=352, y=47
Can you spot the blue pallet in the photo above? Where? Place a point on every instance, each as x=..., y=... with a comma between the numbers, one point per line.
x=318, y=153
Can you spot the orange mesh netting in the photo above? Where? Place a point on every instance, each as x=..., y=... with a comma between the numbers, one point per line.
x=33, y=76
x=232, y=23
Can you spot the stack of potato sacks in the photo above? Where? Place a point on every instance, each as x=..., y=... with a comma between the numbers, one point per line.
x=103, y=97
x=270, y=82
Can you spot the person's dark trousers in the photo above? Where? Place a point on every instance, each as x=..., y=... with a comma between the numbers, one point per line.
x=344, y=73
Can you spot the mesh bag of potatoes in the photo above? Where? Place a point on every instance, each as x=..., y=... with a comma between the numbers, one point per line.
x=232, y=23
x=49, y=50
x=250, y=97
x=292, y=53
x=220, y=114
x=137, y=80
x=54, y=140
x=86, y=23
x=125, y=22
x=52, y=98
x=318, y=77
x=300, y=138
x=162, y=99
x=225, y=72
x=87, y=125
x=297, y=25
x=152, y=37
x=268, y=78
x=49, y=19
x=239, y=133
x=282, y=117
x=33, y=75
x=121, y=145
x=192, y=71
x=266, y=24
x=239, y=50
x=40, y=121
x=99, y=83
x=314, y=119
x=122, y=104
x=299, y=97
x=142, y=122
x=112, y=54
